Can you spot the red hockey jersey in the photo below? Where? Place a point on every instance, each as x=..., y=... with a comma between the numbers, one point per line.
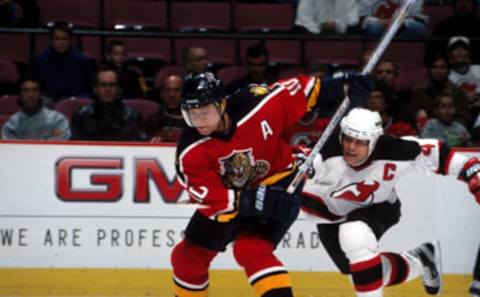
x=213, y=168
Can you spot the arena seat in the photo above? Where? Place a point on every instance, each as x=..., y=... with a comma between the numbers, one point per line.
x=69, y=105
x=220, y=51
x=81, y=13
x=436, y=14
x=8, y=72
x=325, y=52
x=231, y=73
x=3, y=119
x=148, y=54
x=166, y=71
x=284, y=52
x=9, y=105
x=263, y=17
x=130, y=14
x=200, y=16
x=15, y=47
x=406, y=54
x=410, y=78
x=290, y=72
x=143, y=106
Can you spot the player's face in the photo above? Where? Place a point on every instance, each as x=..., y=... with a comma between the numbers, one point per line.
x=355, y=151
x=206, y=119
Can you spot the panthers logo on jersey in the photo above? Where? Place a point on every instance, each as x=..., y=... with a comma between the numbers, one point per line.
x=239, y=169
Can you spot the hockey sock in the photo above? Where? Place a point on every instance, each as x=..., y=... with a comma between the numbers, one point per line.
x=367, y=277
x=265, y=272
x=190, y=269
x=396, y=269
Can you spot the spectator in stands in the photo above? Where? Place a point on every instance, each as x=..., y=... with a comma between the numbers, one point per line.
x=326, y=16
x=464, y=21
x=34, y=121
x=443, y=126
x=19, y=13
x=382, y=99
x=422, y=101
x=375, y=17
x=258, y=71
x=61, y=69
x=131, y=81
x=108, y=118
x=462, y=73
x=167, y=124
x=195, y=59
x=388, y=72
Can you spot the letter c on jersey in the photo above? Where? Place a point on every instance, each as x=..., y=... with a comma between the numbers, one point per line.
x=388, y=171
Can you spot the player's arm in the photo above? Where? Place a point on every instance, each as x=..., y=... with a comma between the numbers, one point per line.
x=203, y=184
x=304, y=94
x=440, y=158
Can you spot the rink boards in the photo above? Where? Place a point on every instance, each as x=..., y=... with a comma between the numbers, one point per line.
x=84, y=207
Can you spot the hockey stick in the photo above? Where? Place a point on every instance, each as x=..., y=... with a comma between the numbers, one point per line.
x=379, y=50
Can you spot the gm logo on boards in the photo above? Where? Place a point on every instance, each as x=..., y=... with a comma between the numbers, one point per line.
x=111, y=184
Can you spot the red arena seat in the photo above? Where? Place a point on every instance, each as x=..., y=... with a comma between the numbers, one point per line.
x=264, y=17
x=69, y=105
x=200, y=16
x=129, y=14
x=143, y=106
x=81, y=13
x=9, y=105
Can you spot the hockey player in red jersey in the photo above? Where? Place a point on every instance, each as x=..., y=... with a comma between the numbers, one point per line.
x=235, y=163
x=353, y=199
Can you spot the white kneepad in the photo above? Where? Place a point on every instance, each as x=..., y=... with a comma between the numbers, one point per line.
x=357, y=241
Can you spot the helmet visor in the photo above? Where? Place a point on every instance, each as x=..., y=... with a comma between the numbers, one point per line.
x=203, y=116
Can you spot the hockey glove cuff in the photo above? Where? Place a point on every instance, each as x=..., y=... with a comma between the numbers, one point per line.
x=269, y=203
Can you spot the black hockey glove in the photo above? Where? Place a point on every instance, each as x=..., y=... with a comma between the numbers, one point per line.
x=269, y=203
x=332, y=89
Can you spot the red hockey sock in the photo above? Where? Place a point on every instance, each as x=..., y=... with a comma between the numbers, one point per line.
x=264, y=271
x=190, y=269
x=399, y=268
x=367, y=275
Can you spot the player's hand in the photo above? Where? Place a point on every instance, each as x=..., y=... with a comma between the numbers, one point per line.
x=269, y=203
x=471, y=174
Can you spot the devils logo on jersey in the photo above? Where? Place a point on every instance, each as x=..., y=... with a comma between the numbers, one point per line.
x=361, y=193
x=385, y=10
x=240, y=169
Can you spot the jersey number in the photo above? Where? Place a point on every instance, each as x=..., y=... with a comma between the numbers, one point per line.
x=293, y=86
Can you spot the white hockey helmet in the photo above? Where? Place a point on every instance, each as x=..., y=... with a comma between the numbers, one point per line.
x=363, y=124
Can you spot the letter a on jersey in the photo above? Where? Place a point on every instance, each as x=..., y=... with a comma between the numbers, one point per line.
x=266, y=129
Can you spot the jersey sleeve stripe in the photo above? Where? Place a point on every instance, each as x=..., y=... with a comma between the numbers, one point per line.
x=311, y=93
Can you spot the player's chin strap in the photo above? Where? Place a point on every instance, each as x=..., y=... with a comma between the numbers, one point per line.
x=379, y=50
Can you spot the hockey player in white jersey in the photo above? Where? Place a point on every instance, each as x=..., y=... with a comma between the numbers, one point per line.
x=352, y=195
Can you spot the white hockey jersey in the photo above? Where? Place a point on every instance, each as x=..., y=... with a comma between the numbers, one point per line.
x=337, y=189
